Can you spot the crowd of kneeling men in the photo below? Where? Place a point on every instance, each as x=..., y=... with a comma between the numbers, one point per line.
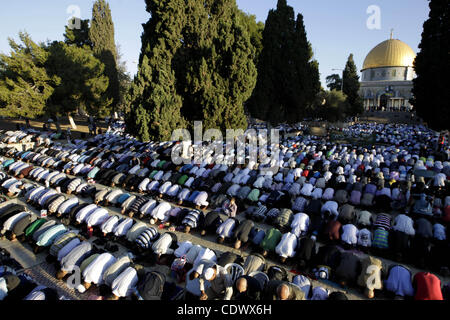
x=322, y=192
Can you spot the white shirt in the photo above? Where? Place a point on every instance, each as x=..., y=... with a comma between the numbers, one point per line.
x=349, y=234
x=163, y=189
x=97, y=217
x=319, y=293
x=317, y=193
x=183, y=249
x=148, y=207
x=307, y=189
x=14, y=188
x=439, y=231
x=201, y=198
x=125, y=283
x=259, y=182
x=134, y=169
x=405, y=224
x=162, y=245
x=286, y=247
x=225, y=230
x=36, y=294
x=189, y=182
x=113, y=196
x=46, y=196
x=94, y=271
x=332, y=207
x=67, y=205
x=173, y=191
x=161, y=212
x=67, y=248
x=192, y=253
x=439, y=180
x=109, y=225
x=69, y=260
x=122, y=228
x=300, y=224
x=328, y=194
x=9, y=224
x=85, y=212
x=364, y=238
x=205, y=254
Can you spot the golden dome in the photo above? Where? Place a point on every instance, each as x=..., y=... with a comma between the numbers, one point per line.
x=390, y=53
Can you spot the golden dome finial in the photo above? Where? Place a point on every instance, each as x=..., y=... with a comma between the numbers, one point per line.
x=392, y=34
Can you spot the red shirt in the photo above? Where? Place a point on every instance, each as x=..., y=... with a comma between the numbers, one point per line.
x=146, y=159
x=428, y=287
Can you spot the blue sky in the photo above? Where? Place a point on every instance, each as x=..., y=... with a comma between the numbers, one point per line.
x=335, y=28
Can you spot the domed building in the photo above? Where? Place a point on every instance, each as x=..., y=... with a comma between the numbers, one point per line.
x=387, y=75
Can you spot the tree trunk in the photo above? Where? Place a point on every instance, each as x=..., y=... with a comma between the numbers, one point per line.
x=57, y=125
x=72, y=122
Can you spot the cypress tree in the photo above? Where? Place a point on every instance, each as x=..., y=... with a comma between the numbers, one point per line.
x=155, y=106
x=255, y=30
x=215, y=67
x=306, y=84
x=101, y=35
x=432, y=66
x=274, y=69
x=351, y=87
x=288, y=78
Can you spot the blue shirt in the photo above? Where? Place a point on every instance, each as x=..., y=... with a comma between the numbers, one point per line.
x=399, y=282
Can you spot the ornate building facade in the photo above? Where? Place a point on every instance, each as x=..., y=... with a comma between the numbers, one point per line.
x=387, y=75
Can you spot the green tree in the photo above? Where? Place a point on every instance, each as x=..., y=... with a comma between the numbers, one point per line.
x=334, y=105
x=196, y=63
x=83, y=82
x=124, y=83
x=214, y=67
x=288, y=78
x=78, y=36
x=334, y=82
x=306, y=83
x=101, y=35
x=255, y=30
x=351, y=87
x=25, y=85
x=155, y=103
x=270, y=97
x=432, y=66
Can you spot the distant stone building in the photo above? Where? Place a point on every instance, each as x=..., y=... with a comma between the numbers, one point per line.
x=387, y=75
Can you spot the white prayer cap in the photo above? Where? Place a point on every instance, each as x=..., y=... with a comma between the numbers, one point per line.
x=81, y=288
x=209, y=274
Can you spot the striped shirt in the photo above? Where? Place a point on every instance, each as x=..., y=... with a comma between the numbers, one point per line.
x=383, y=221
x=380, y=238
